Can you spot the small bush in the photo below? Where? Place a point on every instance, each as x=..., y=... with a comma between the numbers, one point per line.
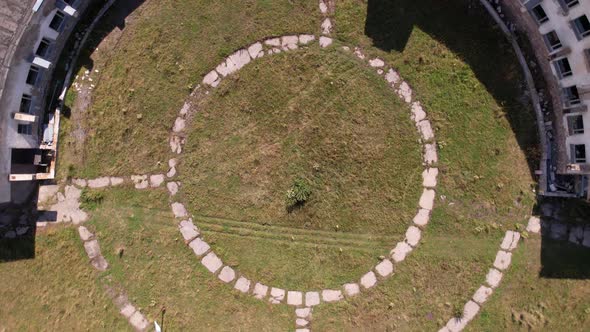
x=298, y=194
x=91, y=199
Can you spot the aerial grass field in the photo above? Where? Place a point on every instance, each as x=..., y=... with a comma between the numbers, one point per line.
x=150, y=261
x=316, y=119
x=57, y=289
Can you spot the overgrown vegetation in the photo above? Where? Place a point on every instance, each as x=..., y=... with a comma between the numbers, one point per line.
x=298, y=194
x=90, y=199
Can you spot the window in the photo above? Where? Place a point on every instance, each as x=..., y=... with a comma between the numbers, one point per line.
x=25, y=104
x=539, y=14
x=581, y=27
x=575, y=124
x=571, y=96
x=25, y=129
x=562, y=67
x=43, y=47
x=70, y=2
x=577, y=153
x=552, y=41
x=33, y=75
x=57, y=21
x=565, y=4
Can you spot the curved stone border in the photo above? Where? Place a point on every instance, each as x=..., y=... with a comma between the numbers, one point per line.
x=126, y=309
x=383, y=269
x=493, y=279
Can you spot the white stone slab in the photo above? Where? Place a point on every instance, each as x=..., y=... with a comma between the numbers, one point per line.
x=368, y=280
x=212, y=262
x=138, y=321
x=85, y=234
x=92, y=249
x=430, y=155
x=425, y=130
x=179, y=125
x=429, y=177
x=127, y=310
x=534, y=225
x=306, y=39
x=413, y=235
x=351, y=289
x=510, y=241
x=255, y=50
x=99, y=183
x=277, y=295
x=156, y=180
x=179, y=210
x=172, y=188
x=331, y=295
x=418, y=113
x=199, y=247
x=384, y=268
x=326, y=26
x=325, y=42
x=260, y=291
x=482, y=294
x=427, y=199
x=243, y=285
x=212, y=79
x=422, y=217
x=401, y=250
x=312, y=299
x=227, y=274
x=376, y=63
x=294, y=298
x=289, y=42
x=116, y=181
x=273, y=42
x=405, y=92
x=493, y=278
x=300, y=322
x=303, y=312
x=502, y=261
x=188, y=230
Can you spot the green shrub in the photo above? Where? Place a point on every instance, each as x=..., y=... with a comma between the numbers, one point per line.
x=91, y=199
x=298, y=194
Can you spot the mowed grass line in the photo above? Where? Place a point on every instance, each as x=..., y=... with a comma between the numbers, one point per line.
x=58, y=289
x=150, y=261
x=165, y=49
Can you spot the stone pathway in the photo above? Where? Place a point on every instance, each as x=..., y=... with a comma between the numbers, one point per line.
x=302, y=300
x=305, y=300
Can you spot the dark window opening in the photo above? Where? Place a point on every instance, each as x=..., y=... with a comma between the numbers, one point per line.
x=33, y=75
x=539, y=14
x=575, y=124
x=25, y=104
x=562, y=66
x=43, y=47
x=578, y=153
x=57, y=21
x=552, y=41
x=72, y=2
x=25, y=129
x=571, y=95
x=581, y=26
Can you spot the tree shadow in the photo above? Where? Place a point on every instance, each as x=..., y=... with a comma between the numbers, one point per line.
x=466, y=29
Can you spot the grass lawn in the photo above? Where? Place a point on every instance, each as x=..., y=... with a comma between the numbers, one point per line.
x=57, y=290
x=165, y=48
x=529, y=301
x=316, y=115
x=157, y=269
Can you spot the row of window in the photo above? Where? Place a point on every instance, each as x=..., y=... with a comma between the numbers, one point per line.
x=34, y=71
x=580, y=25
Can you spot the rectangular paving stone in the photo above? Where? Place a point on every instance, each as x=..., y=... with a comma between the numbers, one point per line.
x=385, y=268
x=330, y=295
x=260, y=290
x=351, y=289
x=211, y=262
x=199, y=247
x=312, y=298
x=227, y=274
x=294, y=298
x=277, y=295
x=243, y=285
x=502, y=261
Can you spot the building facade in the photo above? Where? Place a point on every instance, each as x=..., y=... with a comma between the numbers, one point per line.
x=33, y=34
x=559, y=33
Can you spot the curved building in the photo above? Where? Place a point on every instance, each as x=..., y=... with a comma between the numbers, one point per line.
x=33, y=34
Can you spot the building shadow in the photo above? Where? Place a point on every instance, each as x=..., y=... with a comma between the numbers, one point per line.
x=464, y=27
x=565, y=239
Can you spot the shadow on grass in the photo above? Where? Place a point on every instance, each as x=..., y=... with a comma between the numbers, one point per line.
x=560, y=257
x=466, y=29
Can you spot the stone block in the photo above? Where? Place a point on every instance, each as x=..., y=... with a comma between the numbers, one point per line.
x=260, y=291
x=351, y=289
x=243, y=285
x=368, y=280
x=227, y=274
x=294, y=298
x=385, y=268
x=422, y=217
x=330, y=295
x=503, y=260
x=312, y=299
x=211, y=262
x=199, y=247
x=493, y=278
x=413, y=235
